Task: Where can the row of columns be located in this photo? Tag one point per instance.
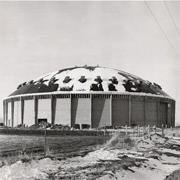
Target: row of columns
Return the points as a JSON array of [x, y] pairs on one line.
[[53, 110]]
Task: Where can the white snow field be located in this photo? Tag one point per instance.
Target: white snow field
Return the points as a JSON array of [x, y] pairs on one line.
[[151, 157]]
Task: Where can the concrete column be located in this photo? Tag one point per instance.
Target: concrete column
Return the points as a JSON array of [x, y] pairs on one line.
[[12, 112], [173, 109], [6, 116], [22, 110], [91, 109], [53, 109], [158, 123], [4, 112], [71, 110], [130, 103], [36, 109], [111, 110], [169, 114], [144, 111], [172, 114]]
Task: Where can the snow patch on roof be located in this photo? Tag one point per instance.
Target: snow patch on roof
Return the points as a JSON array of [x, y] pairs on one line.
[[90, 75]]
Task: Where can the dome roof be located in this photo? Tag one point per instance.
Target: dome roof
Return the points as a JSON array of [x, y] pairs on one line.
[[89, 78]]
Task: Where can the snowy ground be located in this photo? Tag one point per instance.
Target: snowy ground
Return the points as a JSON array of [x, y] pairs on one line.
[[147, 158]]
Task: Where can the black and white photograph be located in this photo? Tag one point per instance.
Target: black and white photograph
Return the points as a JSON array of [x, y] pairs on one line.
[[90, 90]]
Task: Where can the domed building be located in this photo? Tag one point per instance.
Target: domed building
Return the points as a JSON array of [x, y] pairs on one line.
[[89, 97]]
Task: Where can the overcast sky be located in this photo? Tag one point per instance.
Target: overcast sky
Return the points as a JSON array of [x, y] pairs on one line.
[[40, 37]]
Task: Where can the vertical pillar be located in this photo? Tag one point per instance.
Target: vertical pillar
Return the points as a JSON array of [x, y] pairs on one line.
[[36, 109], [168, 114], [53, 109], [6, 117], [130, 106], [144, 111], [4, 112], [111, 110], [173, 112], [71, 110], [22, 110], [12, 112], [158, 123], [91, 110]]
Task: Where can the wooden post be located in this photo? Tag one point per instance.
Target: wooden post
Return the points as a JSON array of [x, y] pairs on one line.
[[45, 142], [162, 130], [123, 142], [144, 130], [148, 130], [126, 129]]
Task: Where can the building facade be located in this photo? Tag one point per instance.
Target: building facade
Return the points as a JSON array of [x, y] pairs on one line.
[[110, 105]]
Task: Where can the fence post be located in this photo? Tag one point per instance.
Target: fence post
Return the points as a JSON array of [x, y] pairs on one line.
[[148, 130], [45, 142], [123, 142], [162, 130], [126, 129]]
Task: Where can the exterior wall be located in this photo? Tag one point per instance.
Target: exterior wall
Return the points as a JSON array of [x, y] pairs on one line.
[[98, 110], [4, 112], [29, 115], [166, 113], [120, 111], [151, 117], [173, 107], [63, 111], [81, 111], [101, 112], [171, 113], [44, 109], [17, 113], [137, 110], [9, 114], [162, 114]]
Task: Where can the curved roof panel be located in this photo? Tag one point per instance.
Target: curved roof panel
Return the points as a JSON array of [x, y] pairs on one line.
[[89, 78]]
